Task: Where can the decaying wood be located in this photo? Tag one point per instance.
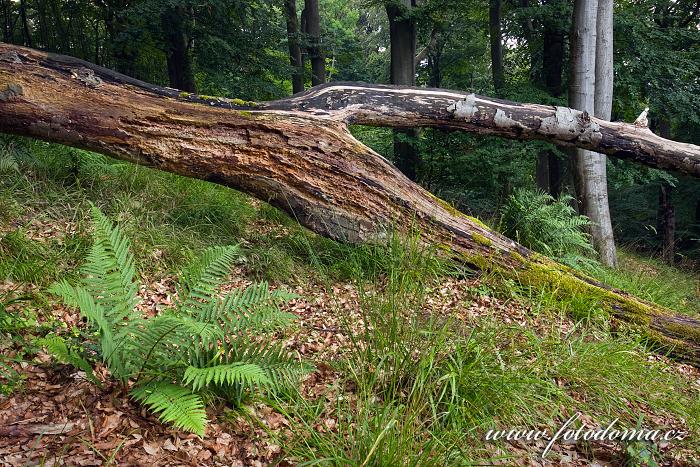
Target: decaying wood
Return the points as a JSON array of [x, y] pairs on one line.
[[298, 155]]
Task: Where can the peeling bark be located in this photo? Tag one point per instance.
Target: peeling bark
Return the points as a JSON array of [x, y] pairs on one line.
[[297, 154]]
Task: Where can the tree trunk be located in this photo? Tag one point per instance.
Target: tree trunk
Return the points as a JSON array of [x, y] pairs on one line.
[[297, 154], [548, 171], [290, 8], [496, 41], [402, 32], [25, 22], [313, 29], [177, 52], [590, 170], [602, 231]]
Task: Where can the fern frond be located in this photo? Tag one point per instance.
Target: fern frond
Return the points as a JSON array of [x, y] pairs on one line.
[[57, 347], [239, 373], [167, 340], [174, 404], [8, 164], [206, 277], [275, 361], [254, 308], [110, 269], [79, 297]]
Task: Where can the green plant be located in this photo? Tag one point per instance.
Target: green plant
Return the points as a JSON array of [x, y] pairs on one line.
[[202, 348], [548, 225], [57, 347]]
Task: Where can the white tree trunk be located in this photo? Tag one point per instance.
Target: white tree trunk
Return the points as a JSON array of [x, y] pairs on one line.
[[590, 174], [597, 204]]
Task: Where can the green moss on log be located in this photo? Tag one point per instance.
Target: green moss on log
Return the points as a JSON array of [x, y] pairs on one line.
[[480, 239]]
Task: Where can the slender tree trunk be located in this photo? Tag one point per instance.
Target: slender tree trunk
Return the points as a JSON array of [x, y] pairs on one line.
[[297, 153], [177, 52], [582, 79], [119, 52], [316, 55], [402, 32], [496, 40], [598, 207], [589, 169], [25, 23], [290, 8], [549, 171]]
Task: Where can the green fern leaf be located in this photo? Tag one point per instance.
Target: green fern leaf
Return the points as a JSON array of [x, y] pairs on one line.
[[109, 269], [57, 347], [239, 373], [205, 277], [174, 404]]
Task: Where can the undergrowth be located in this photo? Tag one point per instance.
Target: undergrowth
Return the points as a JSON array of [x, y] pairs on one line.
[[425, 389], [204, 347], [420, 388]]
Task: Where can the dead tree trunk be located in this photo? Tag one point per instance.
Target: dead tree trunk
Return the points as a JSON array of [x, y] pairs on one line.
[[297, 154]]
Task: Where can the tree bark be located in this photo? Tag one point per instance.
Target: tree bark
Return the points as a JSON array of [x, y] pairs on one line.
[[316, 55], [597, 202], [548, 170], [589, 168], [290, 8], [496, 41], [297, 154], [25, 22], [177, 52], [402, 34]]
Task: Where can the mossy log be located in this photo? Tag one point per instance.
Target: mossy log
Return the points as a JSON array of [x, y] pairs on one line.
[[298, 155]]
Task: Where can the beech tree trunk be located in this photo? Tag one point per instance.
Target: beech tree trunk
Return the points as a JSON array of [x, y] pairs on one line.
[[297, 154], [589, 168], [598, 203], [290, 9], [666, 215]]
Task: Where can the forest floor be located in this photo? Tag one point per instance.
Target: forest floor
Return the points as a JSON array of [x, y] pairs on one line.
[[386, 330]]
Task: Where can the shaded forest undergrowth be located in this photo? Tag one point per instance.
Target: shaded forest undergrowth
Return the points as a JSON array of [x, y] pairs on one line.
[[414, 359]]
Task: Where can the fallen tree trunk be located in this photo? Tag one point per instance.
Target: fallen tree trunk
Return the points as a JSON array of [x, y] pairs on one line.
[[297, 154]]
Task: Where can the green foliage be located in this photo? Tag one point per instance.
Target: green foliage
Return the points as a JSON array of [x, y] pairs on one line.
[[57, 347], [550, 226], [204, 341], [174, 404]]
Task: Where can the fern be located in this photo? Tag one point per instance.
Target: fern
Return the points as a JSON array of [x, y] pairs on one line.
[[243, 374], [547, 225], [109, 270], [174, 404], [202, 343], [8, 163], [57, 347]]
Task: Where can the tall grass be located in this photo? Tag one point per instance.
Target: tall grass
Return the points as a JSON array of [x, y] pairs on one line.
[[421, 389]]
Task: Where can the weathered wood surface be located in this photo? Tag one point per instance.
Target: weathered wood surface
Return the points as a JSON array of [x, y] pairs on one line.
[[297, 154]]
